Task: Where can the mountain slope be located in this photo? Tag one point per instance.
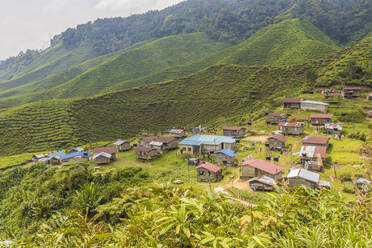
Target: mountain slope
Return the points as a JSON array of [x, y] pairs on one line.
[[286, 43]]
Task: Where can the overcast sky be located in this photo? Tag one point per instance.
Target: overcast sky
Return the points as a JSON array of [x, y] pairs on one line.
[[32, 23]]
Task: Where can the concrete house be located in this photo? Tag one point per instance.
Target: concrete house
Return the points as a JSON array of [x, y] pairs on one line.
[[76, 156], [226, 157], [102, 158], [333, 128], [303, 177], [292, 128], [275, 118], [314, 106], [122, 145], [177, 133], [168, 143], [292, 103], [312, 157], [277, 142], [259, 167], [200, 144], [147, 153], [315, 141], [109, 150], [236, 132], [208, 172], [262, 183], [320, 119], [351, 92]]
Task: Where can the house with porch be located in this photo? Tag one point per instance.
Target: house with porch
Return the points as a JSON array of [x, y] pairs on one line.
[[320, 119], [201, 144], [292, 103], [277, 142], [292, 128], [147, 153], [122, 145], [259, 167], [275, 118], [208, 172], [236, 132]]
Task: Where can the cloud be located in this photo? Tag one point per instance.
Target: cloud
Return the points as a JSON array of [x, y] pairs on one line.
[[134, 5]]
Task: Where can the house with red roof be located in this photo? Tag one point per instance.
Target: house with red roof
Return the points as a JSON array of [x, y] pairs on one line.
[[275, 118], [208, 172], [320, 119], [236, 132], [292, 103], [315, 141], [259, 167], [277, 142], [292, 128]]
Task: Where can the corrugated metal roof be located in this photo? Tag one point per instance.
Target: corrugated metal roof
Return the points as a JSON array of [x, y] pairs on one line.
[[279, 137], [321, 116], [58, 154], [232, 128], [305, 174], [363, 181], [315, 140], [156, 143], [315, 102], [227, 152], [102, 154], [109, 150], [76, 154], [263, 179], [263, 165], [332, 126], [198, 140], [209, 167], [176, 131], [120, 142], [292, 100]]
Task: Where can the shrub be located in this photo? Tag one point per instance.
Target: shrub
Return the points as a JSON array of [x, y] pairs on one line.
[[349, 187]]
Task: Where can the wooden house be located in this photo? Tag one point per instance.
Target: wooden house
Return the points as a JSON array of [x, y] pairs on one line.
[[292, 103], [55, 160], [292, 128], [177, 133], [314, 106], [312, 157], [147, 153], [351, 92], [109, 150], [122, 145], [202, 144], [102, 158], [236, 132], [320, 119], [208, 172], [168, 143], [333, 128], [259, 167], [226, 157], [275, 118], [262, 183], [315, 141], [277, 142], [303, 177]]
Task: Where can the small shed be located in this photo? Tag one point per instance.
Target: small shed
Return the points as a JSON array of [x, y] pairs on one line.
[[275, 118], [363, 184], [109, 150], [351, 92], [333, 128], [208, 172], [292, 128], [303, 177], [262, 183], [122, 145], [292, 103], [147, 153], [236, 132], [226, 157], [277, 142], [177, 133], [320, 119], [102, 158], [259, 167], [314, 105]]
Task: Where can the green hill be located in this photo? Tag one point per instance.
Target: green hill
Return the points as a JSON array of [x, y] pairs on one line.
[[289, 42]]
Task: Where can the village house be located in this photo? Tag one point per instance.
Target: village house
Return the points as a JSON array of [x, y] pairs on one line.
[[320, 119], [369, 97], [236, 132], [292, 103], [55, 160], [102, 158], [109, 150], [36, 158], [315, 141], [351, 92], [208, 172], [200, 144], [277, 142], [177, 133], [167, 143], [76, 156], [262, 183], [122, 145], [314, 106], [226, 157], [259, 167], [303, 177], [275, 118], [312, 157], [292, 128], [76, 149], [147, 153], [333, 128]]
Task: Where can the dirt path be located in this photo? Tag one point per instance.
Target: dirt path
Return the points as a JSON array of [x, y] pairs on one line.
[[261, 138]]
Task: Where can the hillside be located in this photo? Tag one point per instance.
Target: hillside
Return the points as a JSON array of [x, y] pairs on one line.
[[289, 42]]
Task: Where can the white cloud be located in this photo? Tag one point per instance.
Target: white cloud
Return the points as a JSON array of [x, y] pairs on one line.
[[134, 6]]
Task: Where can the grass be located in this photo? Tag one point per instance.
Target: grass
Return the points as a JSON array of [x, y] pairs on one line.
[[15, 160]]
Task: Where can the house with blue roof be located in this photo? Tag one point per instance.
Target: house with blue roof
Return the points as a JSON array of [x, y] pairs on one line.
[[59, 154], [226, 157], [76, 156], [201, 144]]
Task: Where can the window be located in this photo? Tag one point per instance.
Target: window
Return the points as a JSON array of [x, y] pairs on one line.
[[190, 149]]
